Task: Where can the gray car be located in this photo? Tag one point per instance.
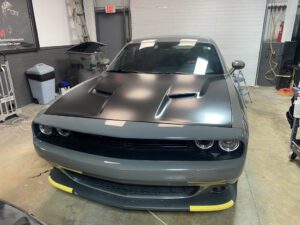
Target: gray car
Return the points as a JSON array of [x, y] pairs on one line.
[[163, 128]]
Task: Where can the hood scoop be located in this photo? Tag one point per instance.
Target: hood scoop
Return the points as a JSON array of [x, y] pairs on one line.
[[102, 93], [108, 85], [184, 95], [187, 92], [168, 98], [192, 89]]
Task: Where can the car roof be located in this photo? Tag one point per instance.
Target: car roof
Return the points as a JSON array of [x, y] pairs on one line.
[[174, 39]]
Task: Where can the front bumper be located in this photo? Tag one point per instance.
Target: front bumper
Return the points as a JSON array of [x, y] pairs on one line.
[[203, 200], [143, 172], [84, 174]]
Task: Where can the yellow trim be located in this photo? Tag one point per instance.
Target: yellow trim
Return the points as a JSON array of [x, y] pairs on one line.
[[60, 186], [210, 208], [66, 168]]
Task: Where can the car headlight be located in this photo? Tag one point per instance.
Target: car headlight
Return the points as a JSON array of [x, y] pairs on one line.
[[203, 144], [64, 133], [46, 130], [229, 145]]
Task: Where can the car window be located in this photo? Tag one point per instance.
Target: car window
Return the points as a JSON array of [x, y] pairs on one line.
[[169, 57]]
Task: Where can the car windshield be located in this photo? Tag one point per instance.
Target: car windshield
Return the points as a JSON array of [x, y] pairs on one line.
[[183, 57]]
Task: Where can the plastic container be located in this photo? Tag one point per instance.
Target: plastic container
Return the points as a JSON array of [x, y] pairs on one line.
[[87, 54], [41, 79], [89, 59]]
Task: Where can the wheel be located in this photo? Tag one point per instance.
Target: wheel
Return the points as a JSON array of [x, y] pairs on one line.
[[292, 156]]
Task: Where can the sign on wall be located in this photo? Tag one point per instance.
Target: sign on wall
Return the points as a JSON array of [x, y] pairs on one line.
[[110, 9], [17, 26]]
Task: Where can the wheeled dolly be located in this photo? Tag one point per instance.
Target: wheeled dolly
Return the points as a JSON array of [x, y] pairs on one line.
[[8, 103]]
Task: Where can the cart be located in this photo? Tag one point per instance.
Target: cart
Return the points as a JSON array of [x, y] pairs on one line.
[[295, 143], [8, 103]]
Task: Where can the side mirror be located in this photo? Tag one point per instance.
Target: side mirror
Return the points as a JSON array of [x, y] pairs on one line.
[[238, 64]]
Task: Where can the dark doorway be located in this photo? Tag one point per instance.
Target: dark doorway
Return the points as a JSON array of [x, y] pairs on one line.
[[113, 30]]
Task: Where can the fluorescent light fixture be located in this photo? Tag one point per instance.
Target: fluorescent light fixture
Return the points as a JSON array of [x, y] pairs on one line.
[[201, 66], [187, 42], [139, 93], [147, 77], [184, 79], [115, 123], [213, 118], [169, 125], [110, 162], [120, 112], [147, 43]]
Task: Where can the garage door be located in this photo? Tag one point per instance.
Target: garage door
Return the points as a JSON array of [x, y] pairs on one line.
[[236, 25]]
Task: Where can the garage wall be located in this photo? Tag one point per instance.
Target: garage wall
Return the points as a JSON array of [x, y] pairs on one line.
[[54, 36], [236, 25], [55, 57]]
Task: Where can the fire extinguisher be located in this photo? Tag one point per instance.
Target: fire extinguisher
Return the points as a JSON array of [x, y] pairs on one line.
[[2, 33], [279, 37]]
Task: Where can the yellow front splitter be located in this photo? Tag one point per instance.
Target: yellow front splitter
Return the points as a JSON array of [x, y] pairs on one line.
[[211, 208], [119, 202], [60, 186]]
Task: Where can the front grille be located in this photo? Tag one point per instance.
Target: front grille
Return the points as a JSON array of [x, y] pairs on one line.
[[134, 144], [141, 149], [133, 190]]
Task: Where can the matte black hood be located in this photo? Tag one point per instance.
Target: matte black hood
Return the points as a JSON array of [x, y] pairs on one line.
[[161, 98]]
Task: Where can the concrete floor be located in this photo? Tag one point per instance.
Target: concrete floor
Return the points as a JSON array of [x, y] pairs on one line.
[[267, 190]]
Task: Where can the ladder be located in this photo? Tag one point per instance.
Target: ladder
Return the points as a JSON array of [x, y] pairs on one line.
[[241, 85], [77, 22], [8, 103]]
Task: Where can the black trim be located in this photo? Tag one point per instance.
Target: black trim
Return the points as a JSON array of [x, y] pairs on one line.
[[41, 78]]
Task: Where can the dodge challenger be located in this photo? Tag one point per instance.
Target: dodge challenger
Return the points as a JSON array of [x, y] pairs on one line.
[[163, 128]]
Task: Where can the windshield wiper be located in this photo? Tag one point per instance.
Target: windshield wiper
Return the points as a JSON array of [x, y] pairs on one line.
[[123, 71]]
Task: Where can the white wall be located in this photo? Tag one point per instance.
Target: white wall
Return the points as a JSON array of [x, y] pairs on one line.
[[52, 22], [289, 21], [236, 25]]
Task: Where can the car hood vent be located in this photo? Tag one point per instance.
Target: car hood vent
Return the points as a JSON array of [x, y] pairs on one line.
[[102, 93], [183, 95]]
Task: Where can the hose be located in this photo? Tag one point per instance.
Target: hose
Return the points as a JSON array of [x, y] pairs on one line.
[[273, 64], [4, 56]]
